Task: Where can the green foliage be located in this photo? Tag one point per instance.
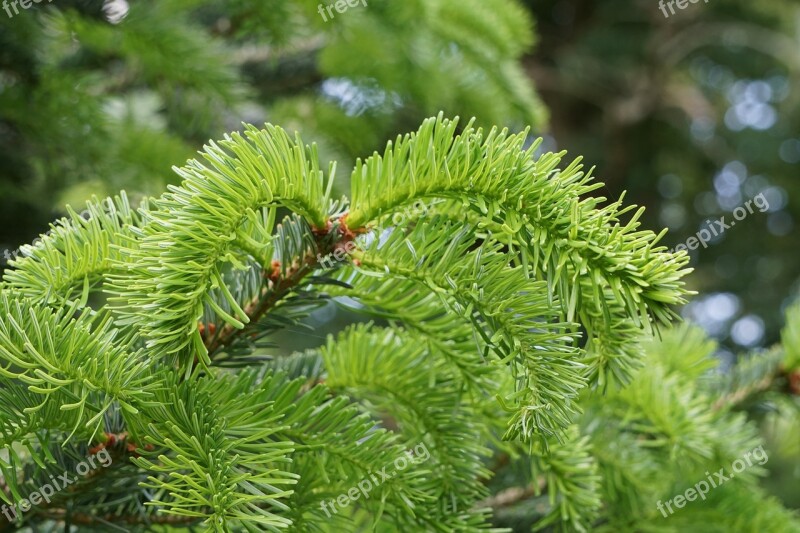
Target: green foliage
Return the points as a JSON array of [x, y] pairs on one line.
[[605, 274], [205, 218], [64, 372], [653, 440], [391, 372], [217, 450], [149, 333], [77, 253]]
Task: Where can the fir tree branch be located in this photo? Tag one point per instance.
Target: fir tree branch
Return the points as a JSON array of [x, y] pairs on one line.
[[76, 253], [286, 274], [513, 315], [484, 291], [405, 303], [604, 272], [201, 221]]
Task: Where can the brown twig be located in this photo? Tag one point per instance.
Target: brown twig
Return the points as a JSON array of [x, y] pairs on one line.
[[792, 387], [278, 284], [512, 495]]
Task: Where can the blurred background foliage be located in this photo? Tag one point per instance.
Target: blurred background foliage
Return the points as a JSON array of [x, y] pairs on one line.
[[692, 114], [97, 96]]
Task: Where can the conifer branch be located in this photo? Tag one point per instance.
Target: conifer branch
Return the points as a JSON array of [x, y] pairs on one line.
[[483, 292], [589, 258]]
